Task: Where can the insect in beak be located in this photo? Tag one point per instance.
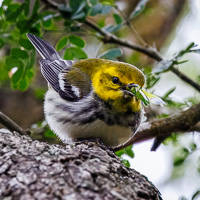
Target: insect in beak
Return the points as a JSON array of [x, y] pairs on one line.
[[127, 90], [134, 90]]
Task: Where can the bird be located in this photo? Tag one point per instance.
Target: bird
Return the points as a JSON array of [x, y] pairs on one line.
[[90, 98]]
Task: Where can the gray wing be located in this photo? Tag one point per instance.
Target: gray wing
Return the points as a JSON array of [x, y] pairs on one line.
[[44, 48], [52, 65], [50, 71]]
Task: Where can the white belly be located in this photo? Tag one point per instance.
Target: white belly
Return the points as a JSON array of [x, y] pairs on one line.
[[110, 135]]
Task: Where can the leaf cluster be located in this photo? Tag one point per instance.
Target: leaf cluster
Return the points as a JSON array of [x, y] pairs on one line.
[[16, 19], [128, 151]]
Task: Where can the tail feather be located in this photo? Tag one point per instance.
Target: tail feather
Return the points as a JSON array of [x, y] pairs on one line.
[[43, 48]]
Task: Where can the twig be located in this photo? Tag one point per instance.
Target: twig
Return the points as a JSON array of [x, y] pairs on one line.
[[186, 78], [10, 124], [131, 27], [182, 122], [196, 127], [110, 38]]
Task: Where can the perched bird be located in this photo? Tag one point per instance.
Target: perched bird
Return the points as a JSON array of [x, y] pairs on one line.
[[90, 98]]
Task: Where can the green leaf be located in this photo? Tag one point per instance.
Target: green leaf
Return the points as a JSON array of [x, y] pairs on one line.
[[1, 11], [75, 28], [138, 9], [111, 54], [6, 2], [99, 9], [151, 80], [193, 146], [126, 151], [117, 18], [78, 41], [12, 62], [35, 7], [69, 54], [26, 7], [75, 5], [23, 84], [181, 156], [168, 93], [18, 53], [1, 43], [61, 43], [120, 152], [26, 44], [93, 2], [79, 12], [23, 26], [140, 95], [49, 134], [126, 162], [188, 49], [129, 151], [47, 23], [17, 75], [74, 52], [106, 9], [31, 60], [29, 74], [39, 93], [173, 138], [112, 28], [77, 16], [12, 12], [108, 2]]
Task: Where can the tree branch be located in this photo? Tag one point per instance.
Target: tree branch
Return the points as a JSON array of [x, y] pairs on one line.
[[182, 122], [110, 38], [10, 124], [196, 127]]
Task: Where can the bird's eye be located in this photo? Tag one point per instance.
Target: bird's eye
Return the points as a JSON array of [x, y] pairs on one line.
[[115, 80]]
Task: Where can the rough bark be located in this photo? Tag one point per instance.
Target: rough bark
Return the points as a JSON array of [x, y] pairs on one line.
[[83, 170]]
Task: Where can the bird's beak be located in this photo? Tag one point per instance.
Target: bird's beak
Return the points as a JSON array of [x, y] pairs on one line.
[[128, 88]]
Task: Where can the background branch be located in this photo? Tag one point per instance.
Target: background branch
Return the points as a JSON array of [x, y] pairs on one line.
[[10, 124], [186, 78]]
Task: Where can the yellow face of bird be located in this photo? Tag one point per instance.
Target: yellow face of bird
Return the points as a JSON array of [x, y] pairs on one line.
[[110, 80]]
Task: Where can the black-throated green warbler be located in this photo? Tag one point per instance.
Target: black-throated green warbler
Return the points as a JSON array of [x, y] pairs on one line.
[[91, 98]]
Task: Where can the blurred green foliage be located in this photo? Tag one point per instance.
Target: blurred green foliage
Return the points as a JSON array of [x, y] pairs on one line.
[[128, 151]]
